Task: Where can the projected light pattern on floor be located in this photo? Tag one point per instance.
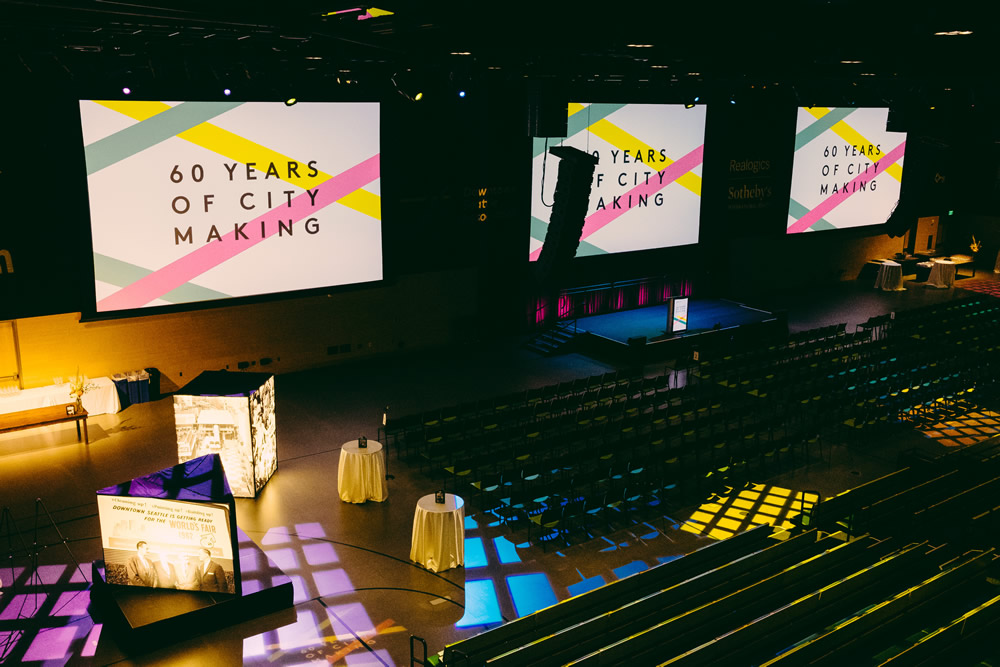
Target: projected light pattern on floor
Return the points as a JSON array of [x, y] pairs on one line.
[[332, 636], [43, 615], [737, 510], [955, 423]]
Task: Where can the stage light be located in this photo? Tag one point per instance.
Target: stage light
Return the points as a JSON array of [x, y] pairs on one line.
[[227, 92], [290, 101], [126, 91], [418, 97], [461, 93]]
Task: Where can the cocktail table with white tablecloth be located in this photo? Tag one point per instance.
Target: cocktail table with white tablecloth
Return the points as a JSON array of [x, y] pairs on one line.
[[101, 399], [439, 533], [361, 473], [942, 274], [890, 277]]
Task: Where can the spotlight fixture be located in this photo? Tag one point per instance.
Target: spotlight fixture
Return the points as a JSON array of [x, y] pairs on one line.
[[418, 97], [690, 104], [126, 91], [290, 101], [227, 92], [461, 93]]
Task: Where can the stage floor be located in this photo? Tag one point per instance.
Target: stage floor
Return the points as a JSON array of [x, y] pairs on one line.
[[651, 322]]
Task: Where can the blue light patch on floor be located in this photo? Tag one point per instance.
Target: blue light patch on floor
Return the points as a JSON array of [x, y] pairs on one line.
[[667, 559], [475, 554], [586, 585], [506, 551], [530, 592], [470, 523], [481, 606], [631, 568]]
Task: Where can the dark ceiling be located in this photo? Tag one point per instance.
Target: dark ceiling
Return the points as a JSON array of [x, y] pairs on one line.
[[812, 51]]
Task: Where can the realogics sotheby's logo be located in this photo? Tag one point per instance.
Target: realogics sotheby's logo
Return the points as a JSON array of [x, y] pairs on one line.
[[272, 201]]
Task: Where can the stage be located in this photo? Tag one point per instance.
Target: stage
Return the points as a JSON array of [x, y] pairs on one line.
[[641, 334]]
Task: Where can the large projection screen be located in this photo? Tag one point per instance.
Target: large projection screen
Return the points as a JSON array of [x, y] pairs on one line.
[[201, 201], [646, 191], [847, 169]]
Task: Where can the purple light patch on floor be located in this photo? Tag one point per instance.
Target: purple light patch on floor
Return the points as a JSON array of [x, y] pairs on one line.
[[332, 582], [249, 561], [5, 577], [378, 658], [347, 617], [254, 646], [309, 530], [49, 574], [284, 559], [23, 606], [277, 535], [586, 585], [50, 644], [631, 568], [71, 603], [303, 632], [81, 574], [320, 553], [90, 646]]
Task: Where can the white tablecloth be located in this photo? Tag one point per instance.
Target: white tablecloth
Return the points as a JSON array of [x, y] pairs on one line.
[[942, 274], [361, 473], [102, 399], [890, 277], [439, 533]]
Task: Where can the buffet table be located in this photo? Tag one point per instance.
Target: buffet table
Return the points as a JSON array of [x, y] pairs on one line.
[[361, 473], [102, 399], [439, 533]]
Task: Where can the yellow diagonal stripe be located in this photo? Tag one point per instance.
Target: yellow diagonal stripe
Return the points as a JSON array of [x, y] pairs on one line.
[[243, 150], [621, 139], [852, 136]]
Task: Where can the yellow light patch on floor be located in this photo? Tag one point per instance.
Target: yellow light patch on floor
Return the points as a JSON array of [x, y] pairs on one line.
[[955, 424], [755, 505]]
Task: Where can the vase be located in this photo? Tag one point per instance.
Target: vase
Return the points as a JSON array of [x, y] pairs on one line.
[[78, 404]]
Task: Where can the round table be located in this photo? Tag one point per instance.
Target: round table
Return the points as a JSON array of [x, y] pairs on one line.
[[890, 277], [942, 274], [361, 473], [439, 533]]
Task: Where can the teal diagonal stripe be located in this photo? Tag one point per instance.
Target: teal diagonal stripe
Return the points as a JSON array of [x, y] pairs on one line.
[[821, 125], [116, 272], [538, 229], [579, 122], [797, 210], [136, 138]]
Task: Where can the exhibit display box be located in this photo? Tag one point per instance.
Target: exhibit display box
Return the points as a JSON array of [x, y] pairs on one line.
[[232, 415]]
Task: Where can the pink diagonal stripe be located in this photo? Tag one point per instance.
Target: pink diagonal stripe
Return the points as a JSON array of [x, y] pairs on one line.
[[831, 202], [213, 254], [670, 174]]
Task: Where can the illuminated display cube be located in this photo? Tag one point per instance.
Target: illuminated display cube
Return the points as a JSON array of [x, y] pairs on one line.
[[232, 415]]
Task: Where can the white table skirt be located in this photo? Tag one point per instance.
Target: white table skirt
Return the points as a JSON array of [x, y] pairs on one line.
[[890, 277], [102, 399], [439, 533], [361, 473], [942, 274]]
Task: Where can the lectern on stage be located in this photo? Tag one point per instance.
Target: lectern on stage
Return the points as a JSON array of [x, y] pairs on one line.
[[232, 415], [172, 555]]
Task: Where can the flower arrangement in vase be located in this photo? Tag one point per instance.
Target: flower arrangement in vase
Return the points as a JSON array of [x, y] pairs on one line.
[[78, 386]]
